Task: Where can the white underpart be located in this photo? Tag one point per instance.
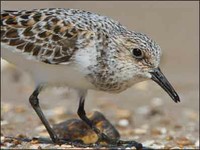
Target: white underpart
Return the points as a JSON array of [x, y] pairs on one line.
[[86, 57], [42, 73]]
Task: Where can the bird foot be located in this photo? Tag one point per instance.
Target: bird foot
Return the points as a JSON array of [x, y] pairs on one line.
[[116, 142]]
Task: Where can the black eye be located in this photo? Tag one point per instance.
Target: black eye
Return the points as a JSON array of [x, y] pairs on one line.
[[137, 53]]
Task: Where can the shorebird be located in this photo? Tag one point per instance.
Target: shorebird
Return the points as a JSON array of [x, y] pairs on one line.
[[81, 50]]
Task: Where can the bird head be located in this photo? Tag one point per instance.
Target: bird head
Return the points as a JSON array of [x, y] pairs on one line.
[[142, 57]]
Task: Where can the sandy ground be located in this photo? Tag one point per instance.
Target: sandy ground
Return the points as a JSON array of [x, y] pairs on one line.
[[144, 113]]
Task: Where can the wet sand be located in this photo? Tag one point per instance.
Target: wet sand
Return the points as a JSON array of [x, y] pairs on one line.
[[144, 113]]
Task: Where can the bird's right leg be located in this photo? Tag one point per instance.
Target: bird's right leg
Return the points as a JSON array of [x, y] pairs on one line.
[[82, 115], [35, 104], [102, 136]]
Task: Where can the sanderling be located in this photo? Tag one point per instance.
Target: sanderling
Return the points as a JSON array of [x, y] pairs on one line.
[[79, 49]]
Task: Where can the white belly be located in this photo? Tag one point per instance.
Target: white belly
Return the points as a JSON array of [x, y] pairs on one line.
[[69, 74]]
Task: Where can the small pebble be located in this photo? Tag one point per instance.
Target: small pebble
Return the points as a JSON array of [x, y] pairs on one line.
[[183, 141], [163, 130], [148, 143], [123, 123], [140, 131]]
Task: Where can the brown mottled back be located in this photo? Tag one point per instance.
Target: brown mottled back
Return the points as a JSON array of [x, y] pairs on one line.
[[43, 34]]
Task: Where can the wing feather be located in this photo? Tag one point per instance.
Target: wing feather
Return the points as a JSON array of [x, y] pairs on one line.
[[44, 34]]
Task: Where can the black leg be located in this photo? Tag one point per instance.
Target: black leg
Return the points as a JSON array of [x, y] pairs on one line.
[[82, 115], [35, 104], [102, 136]]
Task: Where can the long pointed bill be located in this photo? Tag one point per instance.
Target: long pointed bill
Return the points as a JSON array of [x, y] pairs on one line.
[[160, 79]]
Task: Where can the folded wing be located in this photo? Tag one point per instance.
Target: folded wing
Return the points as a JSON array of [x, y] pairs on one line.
[[41, 35]]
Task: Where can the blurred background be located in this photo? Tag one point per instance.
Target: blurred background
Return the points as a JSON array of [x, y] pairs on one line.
[[173, 25]]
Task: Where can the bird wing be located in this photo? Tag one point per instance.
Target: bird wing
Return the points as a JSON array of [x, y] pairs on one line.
[[43, 35]]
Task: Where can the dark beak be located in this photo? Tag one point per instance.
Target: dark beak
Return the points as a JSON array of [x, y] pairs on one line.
[[159, 78]]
